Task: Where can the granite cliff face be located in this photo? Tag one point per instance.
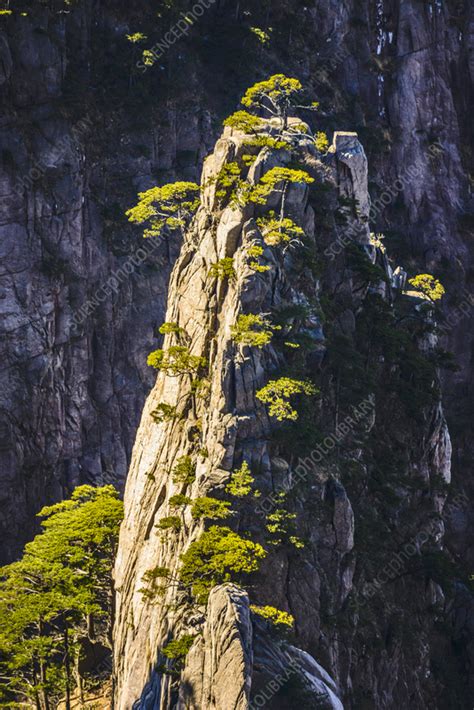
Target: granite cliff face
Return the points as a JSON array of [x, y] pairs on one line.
[[332, 483], [399, 73], [79, 301]]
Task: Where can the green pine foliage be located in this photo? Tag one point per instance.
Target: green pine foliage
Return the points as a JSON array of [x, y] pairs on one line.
[[156, 581], [278, 393], [253, 329], [223, 269], [321, 142], [178, 649], [165, 209], [278, 180], [361, 264], [171, 328], [179, 501], [280, 525], [276, 229], [233, 188], [58, 595], [254, 252], [275, 616], [170, 522], [209, 508], [241, 483], [164, 412], [245, 122], [276, 97], [219, 555], [428, 286], [176, 361], [184, 471]]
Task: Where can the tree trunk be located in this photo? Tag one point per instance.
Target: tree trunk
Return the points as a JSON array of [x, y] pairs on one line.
[[111, 635], [44, 700], [283, 201], [67, 663], [77, 673], [90, 627], [35, 683]]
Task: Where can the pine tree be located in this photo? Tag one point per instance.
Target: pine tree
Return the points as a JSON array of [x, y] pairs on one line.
[[57, 596]]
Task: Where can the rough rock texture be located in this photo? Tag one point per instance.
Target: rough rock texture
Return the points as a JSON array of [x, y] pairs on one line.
[[399, 72], [218, 669], [329, 584], [71, 398]]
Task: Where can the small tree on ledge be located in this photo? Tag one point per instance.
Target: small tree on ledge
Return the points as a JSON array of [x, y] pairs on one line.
[[175, 361], [277, 394], [427, 285], [165, 209], [276, 96], [278, 180], [219, 555], [253, 330], [277, 229]]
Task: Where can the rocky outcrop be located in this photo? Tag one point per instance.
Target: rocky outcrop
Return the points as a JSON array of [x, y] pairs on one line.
[[231, 423], [330, 577], [71, 401], [219, 666], [400, 73]]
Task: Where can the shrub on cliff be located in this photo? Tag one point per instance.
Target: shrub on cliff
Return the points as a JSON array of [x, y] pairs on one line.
[[170, 522], [241, 483], [184, 471], [275, 616], [175, 361], [428, 286], [165, 209], [253, 330], [209, 508], [278, 180], [278, 393], [280, 525], [219, 555], [178, 649], [223, 269], [277, 229]]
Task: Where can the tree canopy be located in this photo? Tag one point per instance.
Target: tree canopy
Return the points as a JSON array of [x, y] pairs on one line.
[[57, 595], [219, 555], [277, 394], [165, 209], [427, 285], [276, 96]]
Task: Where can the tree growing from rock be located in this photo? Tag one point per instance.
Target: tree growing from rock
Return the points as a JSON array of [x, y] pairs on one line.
[[278, 393], [176, 361], [219, 555], [427, 285], [276, 97], [58, 596], [166, 209], [253, 329]]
